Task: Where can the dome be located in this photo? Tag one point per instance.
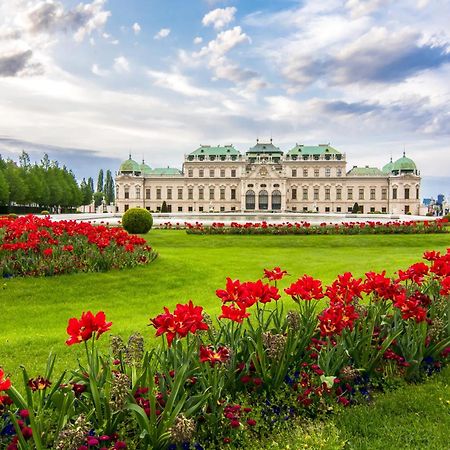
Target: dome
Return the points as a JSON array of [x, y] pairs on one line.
[[387, 169], [130, 166], [144, 168], [404, 164]]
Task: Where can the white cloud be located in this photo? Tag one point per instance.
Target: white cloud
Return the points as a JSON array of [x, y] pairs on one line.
[[198, 40], [136, 28], [121, 64], [162, 33], [364, 7], [176, 82], [219, 17], [96, 70], [224, 42]]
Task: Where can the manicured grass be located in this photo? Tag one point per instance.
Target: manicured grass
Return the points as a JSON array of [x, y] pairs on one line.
[[35, 310]]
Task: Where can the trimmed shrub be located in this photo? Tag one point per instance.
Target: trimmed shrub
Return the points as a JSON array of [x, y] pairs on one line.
[[44, 213], [137, 221], [12, 216]]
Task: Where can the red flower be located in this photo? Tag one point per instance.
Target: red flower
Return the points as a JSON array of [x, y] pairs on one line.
[[345, 289], [445, 286], [208, 354], [39, 383], [235, 291], [251, 422], [305, 288], [415, 273], [5, 383], [68, 248], [275, 274], [233, 313], [83, 329], [185, 319], [410, 307], [47, 252], [258, 292], [380, 285], [337, 317], [431, 255]]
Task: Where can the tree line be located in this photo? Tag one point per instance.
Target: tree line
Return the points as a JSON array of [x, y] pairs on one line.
[[48, 186]]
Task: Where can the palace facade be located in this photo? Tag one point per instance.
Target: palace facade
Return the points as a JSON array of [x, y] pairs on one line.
[[265, 178]]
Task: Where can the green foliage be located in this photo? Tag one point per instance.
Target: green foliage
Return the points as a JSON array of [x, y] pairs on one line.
[[100, 181], [109, 188], [44, 212], [98, 199], [355, 208], [137, 221], [164, 208]]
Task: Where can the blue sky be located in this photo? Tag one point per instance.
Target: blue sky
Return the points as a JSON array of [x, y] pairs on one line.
[[92, 81]]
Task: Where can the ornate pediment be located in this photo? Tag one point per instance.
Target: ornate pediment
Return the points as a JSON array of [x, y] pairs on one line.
[[264, 171]]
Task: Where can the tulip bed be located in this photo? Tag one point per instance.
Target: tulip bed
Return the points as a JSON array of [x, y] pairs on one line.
[[254, 369], [305, 228], [36, 246]]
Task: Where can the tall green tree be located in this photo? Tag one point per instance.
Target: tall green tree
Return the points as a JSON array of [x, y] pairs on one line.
[[109, 188], [18, 190], [100, 184], [4, 189], [91, 184]]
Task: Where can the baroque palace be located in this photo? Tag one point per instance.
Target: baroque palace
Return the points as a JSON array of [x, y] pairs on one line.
[[303, 179]]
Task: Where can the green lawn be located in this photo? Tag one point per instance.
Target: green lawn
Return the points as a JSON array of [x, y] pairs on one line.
[[35, 313], [35, 310]]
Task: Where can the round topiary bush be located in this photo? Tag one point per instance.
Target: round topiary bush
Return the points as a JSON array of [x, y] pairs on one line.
[[137, 221], [45, 213]]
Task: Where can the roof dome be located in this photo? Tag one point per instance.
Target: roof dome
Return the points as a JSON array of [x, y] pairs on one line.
[[130, 166], [404, 164], [388, 167], [145, 168]]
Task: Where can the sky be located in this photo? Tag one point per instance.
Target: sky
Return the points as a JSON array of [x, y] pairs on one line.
[[90, 82]]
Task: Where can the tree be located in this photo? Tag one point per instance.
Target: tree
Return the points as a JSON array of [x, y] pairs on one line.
[[109, 188], [86, 193], [100, 185], [4, 189], [24, 160], [355, 209], [18, 190], [98, 199], [91, 184], [164, 208]]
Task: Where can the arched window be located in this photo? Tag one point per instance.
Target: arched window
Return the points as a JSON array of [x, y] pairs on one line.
[[263, 200], [276, 200], [250, 200]]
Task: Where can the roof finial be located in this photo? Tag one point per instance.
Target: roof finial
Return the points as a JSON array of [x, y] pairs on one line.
[[404, 153], [257, 140], [129, 154]]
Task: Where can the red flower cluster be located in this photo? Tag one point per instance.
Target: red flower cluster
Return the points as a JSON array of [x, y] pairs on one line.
[[209, 354], [337, 317], [39, 246], [345, 289], [380, 285], [39, 383], [235, 413], [275, 274], [244, 295], [305, 288], [415, 273], [5, 383], [410, 307], [184, 320], [83, 329]]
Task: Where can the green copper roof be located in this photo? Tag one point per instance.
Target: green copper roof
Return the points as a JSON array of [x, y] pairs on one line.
[[164, 171], [218, 150], [365, 172], [404, 164], [313, 150], [262, 147], [388, 167], [130, 166], [145, 169]]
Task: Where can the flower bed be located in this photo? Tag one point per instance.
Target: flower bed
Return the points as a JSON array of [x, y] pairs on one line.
[[228, 381], [34, 246], [305, 228]]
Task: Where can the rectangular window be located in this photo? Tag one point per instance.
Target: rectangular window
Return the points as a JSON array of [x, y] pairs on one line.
[[372, 209], [233, 208], [211, 193], [222, 193], [125, 208], [200, 208], [294, 172], [327, 172], [361, 194], [190, 173], [394, 193], [222, 208], [190, 193], [305, 172], [180, 209], [126, 193], [338, 194], [338, 209], [327, 194], [233, 194], [384, 194], [383, 209], [372, 194], [316, 172], [211, 173], [305, 193], [339, 172], [201, 173], [169, 193], [316, 193], [222, 173], [305, 209], [327, 209], [180, 193], [147, 194], [417, 193], [406, 193], [350, 194], [158, 194], [349, 209], [190, 208], [200, 194], [294, 193], [233, 173], [138, 192]]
